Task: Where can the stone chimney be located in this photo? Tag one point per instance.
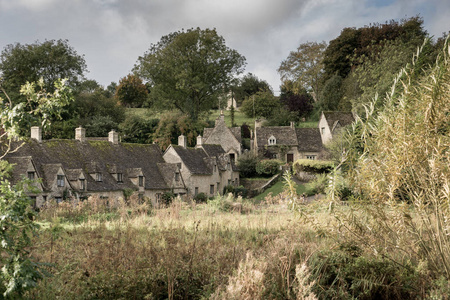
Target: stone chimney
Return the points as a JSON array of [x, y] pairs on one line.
[[80, 134], [36, 133], [199, 141], [182, 141], [113, 137], [292, 124], [220, 118]]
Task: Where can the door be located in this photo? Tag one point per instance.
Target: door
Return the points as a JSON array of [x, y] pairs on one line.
[[289, 157]]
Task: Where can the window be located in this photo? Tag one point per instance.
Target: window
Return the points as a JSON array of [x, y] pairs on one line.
[[196, 191], [177, 176], [211, 189], [229, 181], [322, 130], [82, 184], [272, 140], [60, 180], [215, 168], [232, 158], [31, 175], [158, 196], [119, 177], [58, 199], [99, 177], [312, 157], [141, 180]]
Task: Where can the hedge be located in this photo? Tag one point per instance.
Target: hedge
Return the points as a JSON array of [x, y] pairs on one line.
[[313, 166]]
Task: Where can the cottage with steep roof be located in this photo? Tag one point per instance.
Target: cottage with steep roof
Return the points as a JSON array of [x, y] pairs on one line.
[[205, 169], [331, 123], [84, 167], [228, 137], [287, 143]]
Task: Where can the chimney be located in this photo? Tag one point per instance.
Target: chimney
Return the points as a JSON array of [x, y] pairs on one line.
[[182, 141], [259, 122], [113, 137], [199, 141], [36, 133], [220, 118], [80, 134], [292, 124]]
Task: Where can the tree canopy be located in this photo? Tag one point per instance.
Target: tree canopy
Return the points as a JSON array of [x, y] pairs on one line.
[[189, 69], [50, 60], [131, 92], [249, 85]]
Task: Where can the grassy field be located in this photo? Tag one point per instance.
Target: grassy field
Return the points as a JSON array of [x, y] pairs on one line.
[[276, 189]]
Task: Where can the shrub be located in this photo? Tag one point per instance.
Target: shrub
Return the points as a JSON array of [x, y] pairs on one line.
[[167, 198], [268, 167], [313, 166], [200, 198], [236, 191], [247, 164]]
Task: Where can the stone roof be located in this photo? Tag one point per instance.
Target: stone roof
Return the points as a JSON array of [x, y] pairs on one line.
[[97, 157], [284, 135], [21, 164], [194, 159], [213, 150], [334, 118], [309, 139], [168, 172], [49, 172]]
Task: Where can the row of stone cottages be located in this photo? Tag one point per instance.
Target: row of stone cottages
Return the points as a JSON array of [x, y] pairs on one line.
[[106, 167]]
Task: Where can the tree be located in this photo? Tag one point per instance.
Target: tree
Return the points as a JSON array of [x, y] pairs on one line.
[[331, 94], [131, 92], [304, 67], [301, 103], [50, 60], [189, 69], [261, 104], [248, 86], [19, 271]]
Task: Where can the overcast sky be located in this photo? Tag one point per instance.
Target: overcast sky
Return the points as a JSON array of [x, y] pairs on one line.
[[112, 34]]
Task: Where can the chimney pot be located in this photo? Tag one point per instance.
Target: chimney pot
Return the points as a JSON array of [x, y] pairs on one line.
[[36, 133]]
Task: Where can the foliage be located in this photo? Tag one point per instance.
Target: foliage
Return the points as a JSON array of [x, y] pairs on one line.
[[268, 167], [304, 67], [189, 69], [236, 191], [318, 185], [51, 60], [137, 129], [167, 198], [314, 166], [261, 104], [332, 93], [247, 164], [247, 86], [301, 103], [201, 198], [172, 124], [19, 271], [131, 92]]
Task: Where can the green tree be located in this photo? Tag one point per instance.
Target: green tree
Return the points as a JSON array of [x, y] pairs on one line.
[[262, 104], [189, 69], [304, 68], [247, 86], [19, 272], [50, 60], [131, 92]]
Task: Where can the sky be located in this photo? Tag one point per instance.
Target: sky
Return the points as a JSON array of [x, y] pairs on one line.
[[112, 34]]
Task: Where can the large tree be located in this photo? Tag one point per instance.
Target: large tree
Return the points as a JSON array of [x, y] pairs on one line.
[[304, 67], [50, 60], [247, 86], [189, 69], [131, 92]]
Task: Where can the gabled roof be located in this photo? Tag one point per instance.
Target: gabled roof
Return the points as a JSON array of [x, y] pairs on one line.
[[335, 117], [213, 150], [20, 167], [168, 172], [309, 139], [284, 135], [98, 157], [194, 160], [74, 174]]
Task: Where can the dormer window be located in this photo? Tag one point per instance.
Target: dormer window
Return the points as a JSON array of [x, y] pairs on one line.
[[31, 175], [119, 177], [82, 184], [98, 177], [60, 180], [272, 141], [141, 180], [177, 176]]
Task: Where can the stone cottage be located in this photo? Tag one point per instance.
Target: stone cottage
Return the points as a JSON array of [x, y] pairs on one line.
[[205, 169], [83, 167], [228, 137], [287, 143], [331, 123]]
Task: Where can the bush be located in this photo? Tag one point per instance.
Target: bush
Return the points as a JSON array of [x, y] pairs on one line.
[[268, 167], [317, 186], [313, 166], [247, 164], [167, 198], [201, 198], [236, 191]]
